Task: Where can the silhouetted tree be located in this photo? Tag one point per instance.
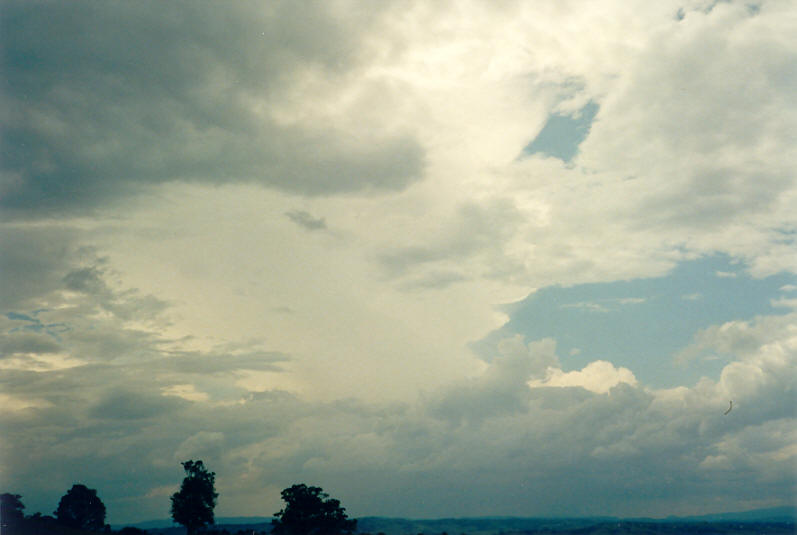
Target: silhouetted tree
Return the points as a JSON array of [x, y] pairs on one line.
[[81, 508], [10, 511], [310, 511], [193, 505]]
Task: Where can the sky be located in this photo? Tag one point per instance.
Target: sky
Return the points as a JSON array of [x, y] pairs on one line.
[[439, 258]]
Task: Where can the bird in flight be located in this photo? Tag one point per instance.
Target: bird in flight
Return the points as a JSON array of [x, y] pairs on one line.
[[729, 408]]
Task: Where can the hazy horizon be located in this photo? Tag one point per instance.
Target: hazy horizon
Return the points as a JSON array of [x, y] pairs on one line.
[[438, 258]]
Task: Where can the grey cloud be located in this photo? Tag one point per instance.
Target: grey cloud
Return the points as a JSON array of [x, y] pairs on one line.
[[27, 342], [87, 280], [557, 398], [104, 100], [476, 231], [133, 405], [110, 341], [39, 262], [713, 197], [206, 445], [502, 389], [306, 220], [32, 264], [629, 447]]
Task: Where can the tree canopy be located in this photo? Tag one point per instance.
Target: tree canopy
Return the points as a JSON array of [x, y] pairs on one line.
[[81, 508], [10, 510], [193, 505], [310, 511]]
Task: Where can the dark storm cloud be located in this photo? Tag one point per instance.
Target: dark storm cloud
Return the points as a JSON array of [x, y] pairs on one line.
[[102, 100]]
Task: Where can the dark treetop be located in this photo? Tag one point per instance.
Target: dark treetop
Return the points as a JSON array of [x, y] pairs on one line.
[[193, 505], [310, 511]]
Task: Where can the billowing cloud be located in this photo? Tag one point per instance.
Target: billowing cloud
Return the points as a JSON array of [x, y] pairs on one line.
[[119, 97]]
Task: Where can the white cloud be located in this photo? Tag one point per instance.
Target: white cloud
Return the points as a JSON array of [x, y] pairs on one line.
[[598, 376], [740, 338]]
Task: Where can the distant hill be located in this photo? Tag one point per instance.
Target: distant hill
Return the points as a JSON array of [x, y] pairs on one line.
[[772, 514], [226, 520], [777, 519], [471, 526]]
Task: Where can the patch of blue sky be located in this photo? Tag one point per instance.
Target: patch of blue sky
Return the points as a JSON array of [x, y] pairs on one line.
[[33, 323], [562, 134], [643, 323]]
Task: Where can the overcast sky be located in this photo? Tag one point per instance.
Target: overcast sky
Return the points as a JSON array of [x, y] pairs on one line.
[[438, 258]]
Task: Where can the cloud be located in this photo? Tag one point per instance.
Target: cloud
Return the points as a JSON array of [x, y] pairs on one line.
[[122, 405], [501, 388], [29, 261], [599, 376], [740, 338], [27, 342], [202, 445], [185, 391], [120, 97], [209, 362], [475, 236], [432, 279], [703, 119], [521, 441], [306, 220], [402, 125]]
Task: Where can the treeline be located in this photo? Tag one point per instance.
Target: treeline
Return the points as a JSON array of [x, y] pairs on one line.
[[307, 511]]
